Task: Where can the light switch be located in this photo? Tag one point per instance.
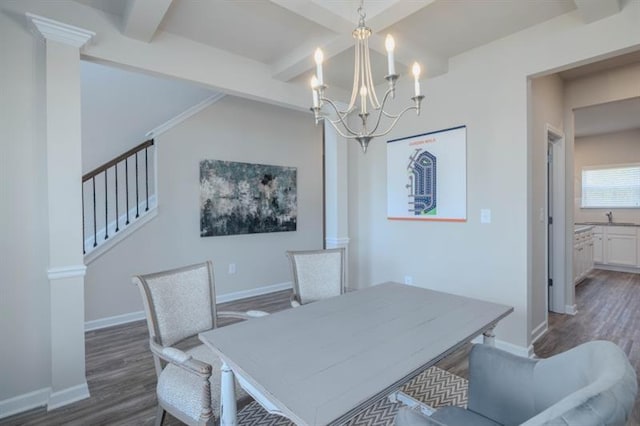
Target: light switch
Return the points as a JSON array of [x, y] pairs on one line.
[[485, 216]]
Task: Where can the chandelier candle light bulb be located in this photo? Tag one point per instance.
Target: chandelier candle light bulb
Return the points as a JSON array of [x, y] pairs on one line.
[[362, 85], [390, 44], [416, 76]]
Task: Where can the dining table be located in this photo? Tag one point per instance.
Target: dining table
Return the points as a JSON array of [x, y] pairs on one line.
[[324, 362]]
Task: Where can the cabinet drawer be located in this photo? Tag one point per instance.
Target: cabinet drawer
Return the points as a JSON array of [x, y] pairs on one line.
[[621, 230]]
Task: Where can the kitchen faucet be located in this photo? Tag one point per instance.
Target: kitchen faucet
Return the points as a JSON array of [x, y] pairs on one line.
[[610, 217]]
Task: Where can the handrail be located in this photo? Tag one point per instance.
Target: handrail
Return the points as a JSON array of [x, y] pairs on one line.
[[116, 160], [109, 171]]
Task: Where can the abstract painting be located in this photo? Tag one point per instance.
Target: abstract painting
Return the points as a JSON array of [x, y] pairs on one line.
[[244, 198]]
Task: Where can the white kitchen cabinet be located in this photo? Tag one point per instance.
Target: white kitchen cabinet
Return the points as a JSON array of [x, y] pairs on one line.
[[617, 246], [582, 254], [621, 246], [598, 245]]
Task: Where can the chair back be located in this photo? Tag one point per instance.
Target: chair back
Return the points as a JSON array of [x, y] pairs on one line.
[[591, 384], [317, 274], [179, 303]]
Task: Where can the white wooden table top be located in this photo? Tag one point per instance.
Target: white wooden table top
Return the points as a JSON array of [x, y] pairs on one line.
[[323, 362]]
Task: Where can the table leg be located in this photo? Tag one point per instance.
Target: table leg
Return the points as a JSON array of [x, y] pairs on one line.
[[228, 410], [489, 338]]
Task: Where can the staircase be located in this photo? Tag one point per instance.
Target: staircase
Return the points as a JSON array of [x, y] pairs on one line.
[[117, 198]]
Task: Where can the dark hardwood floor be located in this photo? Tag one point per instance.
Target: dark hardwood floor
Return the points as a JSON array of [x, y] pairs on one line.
[[122, 380]]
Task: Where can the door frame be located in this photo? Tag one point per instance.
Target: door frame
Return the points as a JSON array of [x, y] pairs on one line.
[[556, 294]]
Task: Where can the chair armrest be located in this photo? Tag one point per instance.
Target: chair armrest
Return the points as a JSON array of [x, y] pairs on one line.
[[242, 315], [181, 359], [500, 385]]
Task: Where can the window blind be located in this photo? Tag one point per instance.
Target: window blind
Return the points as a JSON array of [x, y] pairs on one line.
[[611, 187]]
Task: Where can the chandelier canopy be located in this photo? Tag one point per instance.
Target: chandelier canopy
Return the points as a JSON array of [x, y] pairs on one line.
[[362, 86]]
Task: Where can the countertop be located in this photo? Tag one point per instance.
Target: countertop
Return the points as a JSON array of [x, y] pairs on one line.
[[581, 224]]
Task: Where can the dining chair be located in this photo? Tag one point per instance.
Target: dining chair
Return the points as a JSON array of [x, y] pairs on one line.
[[589, 385], [317, 274], [180, 303]]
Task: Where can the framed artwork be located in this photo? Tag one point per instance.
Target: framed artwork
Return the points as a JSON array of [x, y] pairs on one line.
[[427, 176], [244, 198]]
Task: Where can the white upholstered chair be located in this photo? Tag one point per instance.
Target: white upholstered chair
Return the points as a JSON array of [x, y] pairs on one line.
[[180, 303], [317, 274], [590, 385]]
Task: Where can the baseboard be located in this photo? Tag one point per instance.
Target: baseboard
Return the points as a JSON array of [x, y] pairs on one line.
[[114, 320], [630, 269], [237, 295], [223, 298], [68, 396], [24, 402], [539, 331], [571, 309]]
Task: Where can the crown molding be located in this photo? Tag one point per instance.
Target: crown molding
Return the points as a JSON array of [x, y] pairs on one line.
[[57, 31], [156, 131]]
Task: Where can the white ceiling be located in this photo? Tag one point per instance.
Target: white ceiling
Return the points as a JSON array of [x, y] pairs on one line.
[[279, 36], [282, 34]]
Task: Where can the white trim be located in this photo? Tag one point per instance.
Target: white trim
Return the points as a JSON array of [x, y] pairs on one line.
[[24, 402], [140, 315], [63, 33], [155, 132], [118, 237], [70, 271], [68, 396], [243, 294], [539, 331], [571, 309], [337, 242], [630, 269], [114, 320]]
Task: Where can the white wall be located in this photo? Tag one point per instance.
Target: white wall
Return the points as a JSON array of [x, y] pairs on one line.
[[25, 350], [234, 130], [120, 106], [603, 150], [547, 109], [485, 89]]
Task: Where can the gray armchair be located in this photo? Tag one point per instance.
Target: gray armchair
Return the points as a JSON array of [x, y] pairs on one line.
[[317, 274], [180, 303], [591, 384]]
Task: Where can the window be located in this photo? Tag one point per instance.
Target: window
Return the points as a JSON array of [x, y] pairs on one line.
[[611, 186]]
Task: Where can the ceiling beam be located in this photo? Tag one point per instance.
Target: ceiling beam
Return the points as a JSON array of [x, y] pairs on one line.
[[300, 60], [143, 17], [593, 10], [396, 12]]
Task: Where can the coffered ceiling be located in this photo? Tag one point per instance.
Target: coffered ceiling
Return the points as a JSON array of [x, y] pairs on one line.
[[282, 34]]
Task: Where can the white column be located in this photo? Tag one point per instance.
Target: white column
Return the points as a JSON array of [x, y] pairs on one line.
[[336, 193], [64, 206]]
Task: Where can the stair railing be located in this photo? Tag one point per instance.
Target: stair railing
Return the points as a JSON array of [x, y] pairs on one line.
[[109, 172]]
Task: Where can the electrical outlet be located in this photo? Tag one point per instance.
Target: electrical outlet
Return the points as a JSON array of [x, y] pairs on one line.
[[485, 215], [408, 279], [232, 268]]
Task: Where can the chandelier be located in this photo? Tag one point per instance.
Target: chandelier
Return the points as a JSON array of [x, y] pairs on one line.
[[362, 86]]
